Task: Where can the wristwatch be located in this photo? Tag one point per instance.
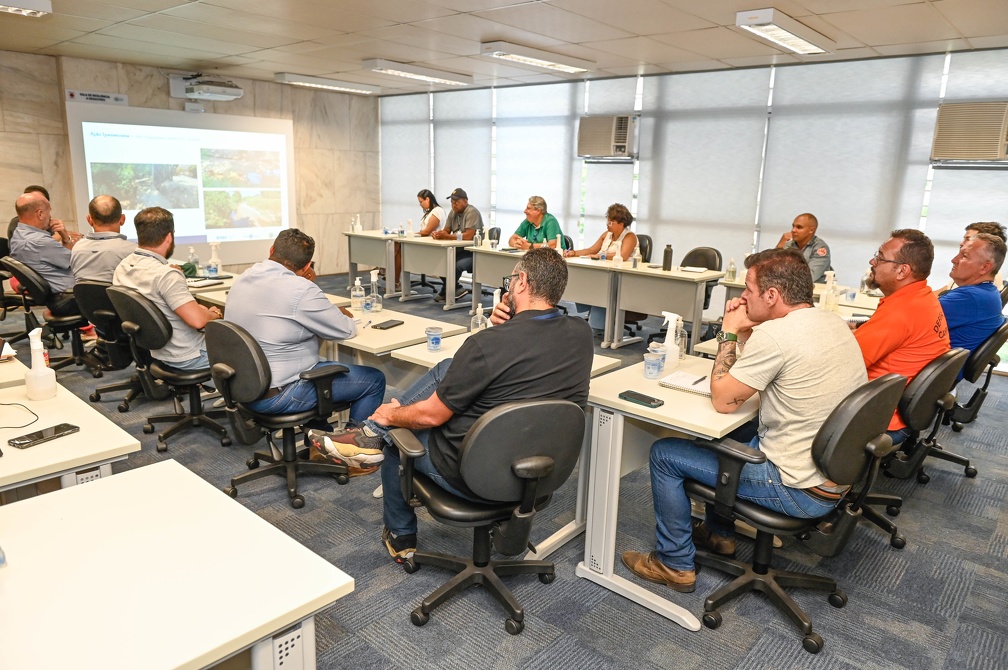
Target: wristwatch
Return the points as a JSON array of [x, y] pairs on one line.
[[726, 337]]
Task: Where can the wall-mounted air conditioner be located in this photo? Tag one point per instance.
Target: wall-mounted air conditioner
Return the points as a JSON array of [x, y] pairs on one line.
[[971, 132], [607, 137]]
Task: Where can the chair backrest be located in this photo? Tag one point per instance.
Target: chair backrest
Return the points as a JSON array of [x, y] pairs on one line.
[[919, 404], [838, 449], [704, 257], [96, 306], [986, 352], [229, 346], [568, 241], [37, 287], [4, 247], [147, 327], [646, 245], [494, 234], [505, 434], [1004, 296]]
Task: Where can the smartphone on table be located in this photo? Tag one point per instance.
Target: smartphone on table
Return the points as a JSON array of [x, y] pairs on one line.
[[44, 435]]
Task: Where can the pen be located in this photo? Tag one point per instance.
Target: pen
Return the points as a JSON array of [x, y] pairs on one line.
[[366, 324], [699, 380]]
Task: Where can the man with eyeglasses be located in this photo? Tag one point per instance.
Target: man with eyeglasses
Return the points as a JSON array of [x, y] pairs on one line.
[[533, 352], [908, 329]]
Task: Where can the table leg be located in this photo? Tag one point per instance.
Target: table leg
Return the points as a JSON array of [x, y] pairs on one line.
[[390, 291]]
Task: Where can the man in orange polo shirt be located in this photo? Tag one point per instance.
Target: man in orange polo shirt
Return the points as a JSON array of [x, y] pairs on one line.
[[908, 329]]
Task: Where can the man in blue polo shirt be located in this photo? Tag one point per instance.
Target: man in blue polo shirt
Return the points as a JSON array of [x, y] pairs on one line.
[[34, 242]]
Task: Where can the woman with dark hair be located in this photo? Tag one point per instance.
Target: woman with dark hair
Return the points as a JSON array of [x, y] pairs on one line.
[[617, 240], [433, 216]]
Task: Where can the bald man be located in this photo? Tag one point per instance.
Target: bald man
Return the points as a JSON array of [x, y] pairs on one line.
[[34, 244], [802, 236], [98, 254]]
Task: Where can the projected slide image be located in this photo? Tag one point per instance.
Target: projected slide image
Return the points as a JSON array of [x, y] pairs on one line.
[[232, 168], [242, 209], [140, 185]]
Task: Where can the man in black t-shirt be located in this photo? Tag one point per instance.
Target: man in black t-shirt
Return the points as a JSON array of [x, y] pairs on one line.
[[535, 352]]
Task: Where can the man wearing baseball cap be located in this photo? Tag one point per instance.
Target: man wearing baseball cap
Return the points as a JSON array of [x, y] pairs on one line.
[[466, 219]]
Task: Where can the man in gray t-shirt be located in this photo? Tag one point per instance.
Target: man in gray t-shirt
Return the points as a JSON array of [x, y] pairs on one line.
[[96, 256], [147, 271], [803, 362], [465, 219]]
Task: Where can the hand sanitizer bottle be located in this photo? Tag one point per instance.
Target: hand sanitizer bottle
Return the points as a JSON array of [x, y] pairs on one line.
[[40, 380], [731, 272], [194, 260], [478, 322], [559, 246], [357, 295], [635, 258]]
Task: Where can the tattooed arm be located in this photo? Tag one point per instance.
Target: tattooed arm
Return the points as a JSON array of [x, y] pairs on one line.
[[728, 393]]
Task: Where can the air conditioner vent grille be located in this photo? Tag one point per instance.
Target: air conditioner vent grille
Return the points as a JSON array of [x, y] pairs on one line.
[[971, 131]]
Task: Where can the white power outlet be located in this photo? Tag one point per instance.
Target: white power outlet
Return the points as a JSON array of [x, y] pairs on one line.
[[292, 649], [88, 476], [85, 476]]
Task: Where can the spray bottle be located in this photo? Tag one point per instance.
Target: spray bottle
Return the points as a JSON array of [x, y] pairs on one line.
[[375, 297], [830, 300], [676, 333], [213, 265], [40, 380]]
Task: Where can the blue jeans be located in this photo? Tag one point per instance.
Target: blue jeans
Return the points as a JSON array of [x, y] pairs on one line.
[[463, 263], [676, 459], [201, 361], [361, 386], [398, 516], [899, 435]]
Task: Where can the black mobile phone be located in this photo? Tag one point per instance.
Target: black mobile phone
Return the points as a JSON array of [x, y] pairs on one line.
[[385, 325], [641, 399], [44, 435]]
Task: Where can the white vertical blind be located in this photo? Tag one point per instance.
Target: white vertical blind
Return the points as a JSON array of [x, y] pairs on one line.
[[850, 143], [462, 133], [536, 152], [405, 155], [701, 148]]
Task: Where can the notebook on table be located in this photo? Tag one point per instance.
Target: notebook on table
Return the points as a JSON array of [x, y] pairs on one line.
[[688, 382]]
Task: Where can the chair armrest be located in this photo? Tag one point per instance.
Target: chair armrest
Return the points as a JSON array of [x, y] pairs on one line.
[[4, 275], [409, 449], [221, 373], [734, 450], [881, 447], [947, 401], [732, 457], [322, 378], [533, 467]]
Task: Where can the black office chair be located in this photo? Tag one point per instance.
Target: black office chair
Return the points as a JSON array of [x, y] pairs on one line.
[[700, 257], [494, 234], [41, 294], [645, 244], [513, 458], [847, 449], [983, 357], [632, 320], [568, 242], [14, 300], [241, 373], [149, 329], [113, 343], [1004, 296]]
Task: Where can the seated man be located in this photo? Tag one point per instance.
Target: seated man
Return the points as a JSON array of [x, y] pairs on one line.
[[147, 271], [288, 328], [539, 229], [465, 219], [31, 188], [798, 386], [34, 243], [973, 310], [991, 228], [803, 238], [908, 329], [493, 367], [97, 255]]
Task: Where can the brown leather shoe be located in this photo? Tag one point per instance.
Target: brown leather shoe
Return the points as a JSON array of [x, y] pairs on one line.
[[704, 538], [647, 566]]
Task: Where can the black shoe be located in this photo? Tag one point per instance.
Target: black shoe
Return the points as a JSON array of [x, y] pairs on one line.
[[440, 297], [401, 548]]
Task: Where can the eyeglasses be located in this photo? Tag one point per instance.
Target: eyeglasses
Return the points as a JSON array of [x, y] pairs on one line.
[[506, 282], [878, 259]]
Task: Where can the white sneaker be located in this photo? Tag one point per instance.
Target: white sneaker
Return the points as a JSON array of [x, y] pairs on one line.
[[377, 493]]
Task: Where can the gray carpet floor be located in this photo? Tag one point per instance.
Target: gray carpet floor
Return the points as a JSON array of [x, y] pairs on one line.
[[941, 602]]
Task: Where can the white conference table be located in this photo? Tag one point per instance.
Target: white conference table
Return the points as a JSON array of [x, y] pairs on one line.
[[734, 288], [154, 568], [425, 255], [219, 299], [12, 373], [622, 434], [374, 248], [653, 290], [98, 443], [224, 285]]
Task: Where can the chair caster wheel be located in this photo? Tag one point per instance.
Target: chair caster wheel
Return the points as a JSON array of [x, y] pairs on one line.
[[161, 446], [514, 627], [547, 577], [837, 599], [897, 541], [892, 510], [923, 477], [123, 407], [410, 567], [342, 479], [97, 374], [225, 441], [971, 472], [148, 428], [712, 619], [418, 618], [94, 397], [957, 427], [813, 643], [297, 502], [252, 463], [231, 491]]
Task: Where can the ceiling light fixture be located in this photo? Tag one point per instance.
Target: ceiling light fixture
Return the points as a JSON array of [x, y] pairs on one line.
[[416, 72], [779, 28], [34, 8], [536, 57], [324, 83]]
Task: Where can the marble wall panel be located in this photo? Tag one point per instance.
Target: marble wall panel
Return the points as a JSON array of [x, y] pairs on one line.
[[321, 119], [363, 123], [372, 179], [90, 75], [315, 177], [54, 152], [31, 94], [350, 180], [21, 165], [331, 251], [270, 100], [145, 86]]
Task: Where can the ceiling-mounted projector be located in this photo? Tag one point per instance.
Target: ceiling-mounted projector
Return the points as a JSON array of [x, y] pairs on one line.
[[212, 89]]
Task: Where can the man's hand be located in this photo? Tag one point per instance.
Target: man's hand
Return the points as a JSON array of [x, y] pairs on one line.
[[784, 239], [442, 235], [383, 415], [736, 320], [347, 313], [501, 313], [309, 273], [216, 313]]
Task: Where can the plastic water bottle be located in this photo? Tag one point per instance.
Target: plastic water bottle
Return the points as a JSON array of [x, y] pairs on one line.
[[681, 338], [409, 227], [40, 380], [478, 322], [635, 258], [194, 260], [617, 260], [478, 238], [602, 255], [731, 272], [357, 295], [667, 258]]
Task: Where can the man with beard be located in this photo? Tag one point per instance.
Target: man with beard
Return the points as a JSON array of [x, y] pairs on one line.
[[908, 329], [147, 271], [493, 367]]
